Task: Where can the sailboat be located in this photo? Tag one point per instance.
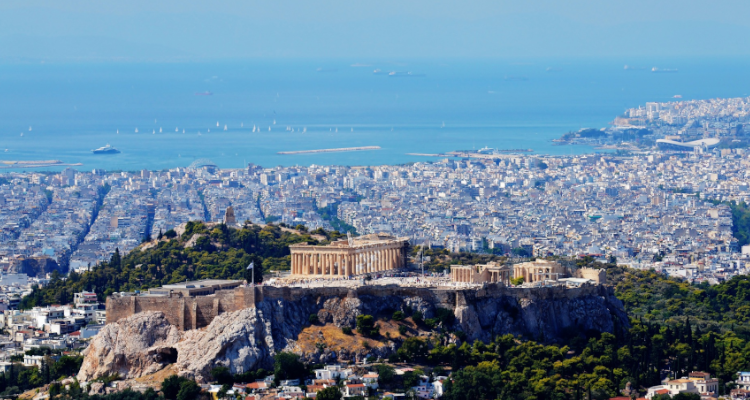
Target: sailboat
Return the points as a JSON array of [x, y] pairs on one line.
[[217, 123], [29, 129], [159, 130], [208, 131], [176, 130], [225, 127], [443, 126], [337, 130], [183, 131], [154, 132], [21, 134], [274, 122], [136, 130], [118, 131], [269, 129]]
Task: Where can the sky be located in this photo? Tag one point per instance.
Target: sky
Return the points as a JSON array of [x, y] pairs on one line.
[[178, 30]]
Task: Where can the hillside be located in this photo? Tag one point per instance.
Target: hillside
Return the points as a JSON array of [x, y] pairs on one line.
[[674, 326], [201, 252]]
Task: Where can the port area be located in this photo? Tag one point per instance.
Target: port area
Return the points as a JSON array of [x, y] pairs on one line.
[[473, 154], [362, 148], [8, 164]]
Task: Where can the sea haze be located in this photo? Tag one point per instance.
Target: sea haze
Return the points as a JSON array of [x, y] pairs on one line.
[[505, 104]]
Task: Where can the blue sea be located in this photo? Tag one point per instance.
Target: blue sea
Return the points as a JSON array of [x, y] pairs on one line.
[[63, 110]]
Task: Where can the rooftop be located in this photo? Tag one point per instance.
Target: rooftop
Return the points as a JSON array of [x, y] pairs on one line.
[[202, 283]]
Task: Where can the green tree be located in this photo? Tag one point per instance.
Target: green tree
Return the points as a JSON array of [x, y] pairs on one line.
[[171, 386], [288, 366], [222, 393], [329, 393], [366, 325], [189, 390], [385, 373], [413, 349], [222, 376]]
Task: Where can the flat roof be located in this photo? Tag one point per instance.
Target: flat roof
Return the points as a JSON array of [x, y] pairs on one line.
[[201, 283]]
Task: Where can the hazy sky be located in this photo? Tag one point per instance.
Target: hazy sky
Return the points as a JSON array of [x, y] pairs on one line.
[[362, 30]]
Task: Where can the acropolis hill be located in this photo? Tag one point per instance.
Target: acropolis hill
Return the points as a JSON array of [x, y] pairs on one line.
[[265, 320], [525, 311], [338, 271], [211, 322]]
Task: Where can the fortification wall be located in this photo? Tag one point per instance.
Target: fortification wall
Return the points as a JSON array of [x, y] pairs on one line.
[[596, 275], [183, 312], [197, 312]]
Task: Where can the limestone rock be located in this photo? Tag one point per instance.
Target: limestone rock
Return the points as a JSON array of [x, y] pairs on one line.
[[130, 347], [342, 312], [248, 339], [421, 305], [239, 340], [466, 317], [96, 388]]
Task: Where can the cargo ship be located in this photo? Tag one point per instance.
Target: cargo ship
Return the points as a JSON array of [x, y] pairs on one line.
[[105, 150]]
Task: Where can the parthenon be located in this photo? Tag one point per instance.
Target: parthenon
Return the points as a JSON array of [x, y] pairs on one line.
[[354, 256]]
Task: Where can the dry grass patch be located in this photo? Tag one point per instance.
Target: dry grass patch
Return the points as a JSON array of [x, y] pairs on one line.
[[332, 337]]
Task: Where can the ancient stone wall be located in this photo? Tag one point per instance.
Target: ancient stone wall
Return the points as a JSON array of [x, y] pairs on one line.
[[183, 312], [197, 312], [596, 275]]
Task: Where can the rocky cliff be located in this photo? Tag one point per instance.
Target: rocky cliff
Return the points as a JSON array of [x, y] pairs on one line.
[[249, 338]]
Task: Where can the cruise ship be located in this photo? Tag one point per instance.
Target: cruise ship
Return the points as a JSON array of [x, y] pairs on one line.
[[105, 150]]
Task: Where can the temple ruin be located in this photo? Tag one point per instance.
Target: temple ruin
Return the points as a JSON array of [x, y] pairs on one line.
[[349, 257]]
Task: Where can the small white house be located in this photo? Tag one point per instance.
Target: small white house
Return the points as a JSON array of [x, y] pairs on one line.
[[370, 380]]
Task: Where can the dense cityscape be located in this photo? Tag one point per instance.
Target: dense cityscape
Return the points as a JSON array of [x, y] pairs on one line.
[[490, 200], [647, 211], [669, 212]]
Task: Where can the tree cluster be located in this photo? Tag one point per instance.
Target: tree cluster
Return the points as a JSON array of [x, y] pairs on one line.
[[219, 253]]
